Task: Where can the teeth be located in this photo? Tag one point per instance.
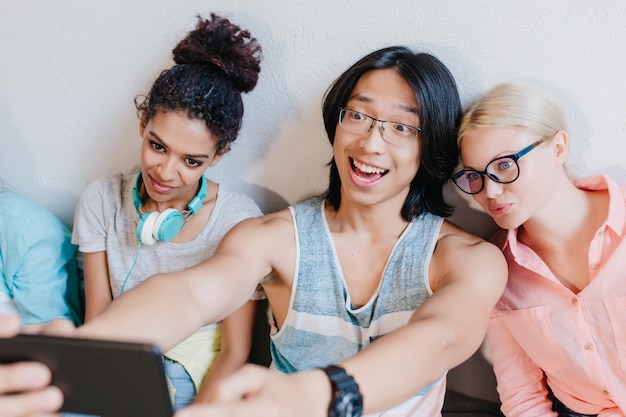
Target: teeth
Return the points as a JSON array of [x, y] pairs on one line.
[[368, 169]]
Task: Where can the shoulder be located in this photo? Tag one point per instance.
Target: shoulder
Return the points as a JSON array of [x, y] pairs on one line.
[[261, 242], [28, 223], [277, 221], [452, 235], [12, 204], [239, 203], [103, 199], [15, 209], [462, 255], [108, 185], [264, 231]]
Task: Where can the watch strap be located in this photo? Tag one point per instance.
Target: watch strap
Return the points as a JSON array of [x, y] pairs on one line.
[[346, 399]]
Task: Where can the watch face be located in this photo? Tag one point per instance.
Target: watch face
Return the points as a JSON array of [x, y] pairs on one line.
[[347, 400], [349, 405]]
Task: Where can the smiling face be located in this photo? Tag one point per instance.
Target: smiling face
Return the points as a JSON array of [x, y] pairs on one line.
[[511, 205], [176, 150], [373, 170]]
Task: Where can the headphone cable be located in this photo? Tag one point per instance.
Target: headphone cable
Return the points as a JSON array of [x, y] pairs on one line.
[[131, 269]]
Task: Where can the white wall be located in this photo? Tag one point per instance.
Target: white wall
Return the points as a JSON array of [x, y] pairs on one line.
[[69, 71]]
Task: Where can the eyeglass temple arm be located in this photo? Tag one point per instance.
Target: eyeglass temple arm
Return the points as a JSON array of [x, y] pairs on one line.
[[527, 149]]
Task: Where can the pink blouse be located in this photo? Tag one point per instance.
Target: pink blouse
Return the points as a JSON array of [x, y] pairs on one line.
[[541, 332]]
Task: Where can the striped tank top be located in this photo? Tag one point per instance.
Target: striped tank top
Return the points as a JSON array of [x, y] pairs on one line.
[[322, 327]]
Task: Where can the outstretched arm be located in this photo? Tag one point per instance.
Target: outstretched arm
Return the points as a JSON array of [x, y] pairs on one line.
[[167, 308], [467, 276]]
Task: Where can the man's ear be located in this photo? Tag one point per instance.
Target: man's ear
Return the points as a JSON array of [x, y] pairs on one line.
[[560, 145]]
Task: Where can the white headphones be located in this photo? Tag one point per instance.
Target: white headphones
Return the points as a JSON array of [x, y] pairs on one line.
[[154, 226]]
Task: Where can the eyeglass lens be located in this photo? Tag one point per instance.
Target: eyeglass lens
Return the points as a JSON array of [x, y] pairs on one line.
[[503, 170], [357, 122]]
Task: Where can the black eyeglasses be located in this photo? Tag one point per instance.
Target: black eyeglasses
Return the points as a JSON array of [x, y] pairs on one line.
[[357, 122], [503, 170]]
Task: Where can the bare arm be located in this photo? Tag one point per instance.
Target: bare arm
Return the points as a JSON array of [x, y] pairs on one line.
[[235, 349], [167, 308], [468, 277], [97, 288]]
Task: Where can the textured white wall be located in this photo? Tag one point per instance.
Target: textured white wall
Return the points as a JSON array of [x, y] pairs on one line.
[[69, 71]]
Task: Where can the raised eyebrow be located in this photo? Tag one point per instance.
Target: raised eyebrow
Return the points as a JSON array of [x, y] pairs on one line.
[[360, 97], [408, 109], [162, 143], [158, 139], [468, 168], [366, 99], [471, 168], [199, 156], [463, 168]]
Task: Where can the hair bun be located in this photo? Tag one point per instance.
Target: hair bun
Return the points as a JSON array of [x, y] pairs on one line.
[[220, 43]]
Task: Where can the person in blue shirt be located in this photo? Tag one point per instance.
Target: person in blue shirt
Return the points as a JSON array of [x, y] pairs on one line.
[[37, 262]]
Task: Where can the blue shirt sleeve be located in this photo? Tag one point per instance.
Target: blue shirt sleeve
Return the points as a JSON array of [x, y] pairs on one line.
[[39, 265]]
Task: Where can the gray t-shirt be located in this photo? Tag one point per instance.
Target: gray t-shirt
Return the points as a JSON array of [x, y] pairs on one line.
[[106, 220]]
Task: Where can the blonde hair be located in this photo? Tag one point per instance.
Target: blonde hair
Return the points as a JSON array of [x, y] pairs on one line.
[[514, 105]]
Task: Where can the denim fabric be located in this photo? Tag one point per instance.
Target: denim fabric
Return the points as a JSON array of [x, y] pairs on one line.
[[182, 382], [563, 411]]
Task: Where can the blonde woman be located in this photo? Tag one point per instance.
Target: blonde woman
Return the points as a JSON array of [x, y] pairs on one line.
[[557, 335]]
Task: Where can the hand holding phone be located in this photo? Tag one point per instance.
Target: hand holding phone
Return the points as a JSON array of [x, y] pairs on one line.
[[98, 377], [26, 385]]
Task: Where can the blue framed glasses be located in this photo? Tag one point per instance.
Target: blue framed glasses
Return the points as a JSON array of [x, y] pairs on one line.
[[503, 170]]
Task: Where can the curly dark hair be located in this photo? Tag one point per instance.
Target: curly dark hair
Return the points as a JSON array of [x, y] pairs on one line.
[[215, 63], [439, 111]]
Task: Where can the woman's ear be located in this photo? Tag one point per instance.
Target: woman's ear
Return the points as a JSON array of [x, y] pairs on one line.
[[142, 125], [560, 145], [217, 158]]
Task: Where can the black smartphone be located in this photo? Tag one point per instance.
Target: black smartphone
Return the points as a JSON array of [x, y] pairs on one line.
[[98, 377]]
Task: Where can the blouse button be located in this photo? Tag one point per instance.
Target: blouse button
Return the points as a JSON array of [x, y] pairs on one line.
[[588, 346], [595, 266], [574, 300], [605, 393]]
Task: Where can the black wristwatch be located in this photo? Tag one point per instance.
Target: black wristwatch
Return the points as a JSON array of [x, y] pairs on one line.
[[346, 399]]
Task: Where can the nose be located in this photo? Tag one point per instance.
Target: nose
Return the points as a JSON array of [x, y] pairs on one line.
[[167, 169], [492, 188], [373, 140]]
